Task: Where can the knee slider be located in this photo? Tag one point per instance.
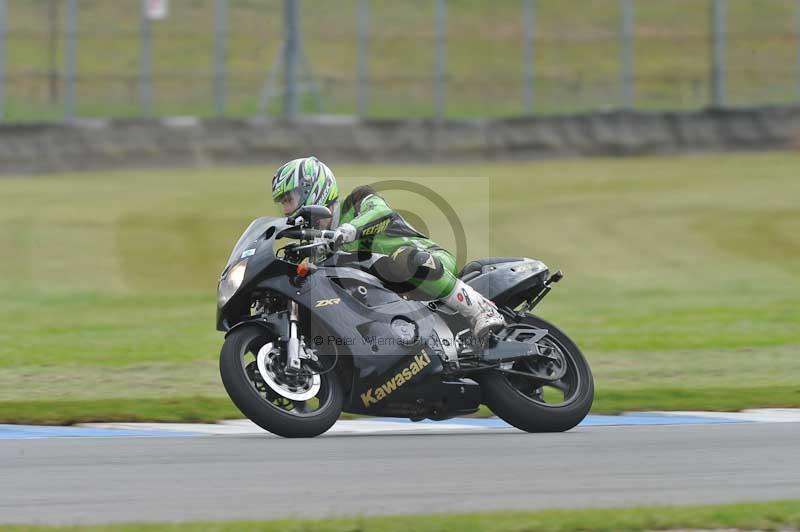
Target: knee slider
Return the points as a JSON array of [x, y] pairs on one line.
[[425, 265]]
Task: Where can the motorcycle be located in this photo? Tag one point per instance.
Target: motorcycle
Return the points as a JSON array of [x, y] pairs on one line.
[[311, 332]]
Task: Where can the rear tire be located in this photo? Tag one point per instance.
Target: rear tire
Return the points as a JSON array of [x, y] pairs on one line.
[[531, 415], [256, 407]]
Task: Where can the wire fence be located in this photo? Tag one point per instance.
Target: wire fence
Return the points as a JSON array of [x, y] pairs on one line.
[[61, 59]]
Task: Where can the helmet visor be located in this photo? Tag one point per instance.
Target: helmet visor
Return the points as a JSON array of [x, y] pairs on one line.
[[289, 201]]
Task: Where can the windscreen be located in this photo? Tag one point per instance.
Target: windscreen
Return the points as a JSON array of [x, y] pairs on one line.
[[256, 228]]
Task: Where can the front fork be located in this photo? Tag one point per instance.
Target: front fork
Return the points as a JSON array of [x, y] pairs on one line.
[[293, 354]]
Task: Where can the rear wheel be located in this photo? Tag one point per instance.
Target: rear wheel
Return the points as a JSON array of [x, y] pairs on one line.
[[555, 403], [299, 405]]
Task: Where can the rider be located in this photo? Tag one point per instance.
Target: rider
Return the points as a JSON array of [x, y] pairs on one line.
[[367, 223]]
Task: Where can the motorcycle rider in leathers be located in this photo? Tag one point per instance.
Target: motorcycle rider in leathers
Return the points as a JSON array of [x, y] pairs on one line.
[[366, 223]]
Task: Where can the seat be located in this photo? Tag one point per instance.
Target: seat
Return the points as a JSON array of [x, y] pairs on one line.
[[476, 266]]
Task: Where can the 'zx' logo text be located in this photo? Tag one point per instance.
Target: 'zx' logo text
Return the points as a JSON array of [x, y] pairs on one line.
[[327, 302]]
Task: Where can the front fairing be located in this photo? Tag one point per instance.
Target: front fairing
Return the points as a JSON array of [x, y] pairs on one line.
[[256, 250]]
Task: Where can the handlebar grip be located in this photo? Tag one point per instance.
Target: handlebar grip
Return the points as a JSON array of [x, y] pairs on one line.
[[296, 234], [307, 234]]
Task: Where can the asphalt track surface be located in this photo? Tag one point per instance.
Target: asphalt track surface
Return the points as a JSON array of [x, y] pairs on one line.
[[96, 480]]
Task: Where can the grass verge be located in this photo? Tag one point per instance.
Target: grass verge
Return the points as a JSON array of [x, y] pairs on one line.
[[681, 276], [779, 515], [211, 409]]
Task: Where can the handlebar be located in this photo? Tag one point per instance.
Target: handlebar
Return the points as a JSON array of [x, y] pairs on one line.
[[324, 239], [308, 234]]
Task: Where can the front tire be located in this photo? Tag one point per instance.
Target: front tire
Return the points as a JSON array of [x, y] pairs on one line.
[[522, 403], [262, 405]]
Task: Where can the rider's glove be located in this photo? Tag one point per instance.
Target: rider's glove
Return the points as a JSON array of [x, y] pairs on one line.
[[345, 233]]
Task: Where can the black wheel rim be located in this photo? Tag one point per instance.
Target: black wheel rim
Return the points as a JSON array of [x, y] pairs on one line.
[[551, 394], [271, 398]]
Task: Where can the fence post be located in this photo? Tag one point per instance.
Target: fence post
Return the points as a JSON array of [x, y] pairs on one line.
[[145, 61], [71, 35], [798, 48], [528, 51], [362, 65], [290, 57], [718, 44], [440, 61], [53, 36], [220, 55], [626, 54], [3, 44]]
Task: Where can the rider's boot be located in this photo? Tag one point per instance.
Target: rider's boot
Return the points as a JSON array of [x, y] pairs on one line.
[[482, 313]]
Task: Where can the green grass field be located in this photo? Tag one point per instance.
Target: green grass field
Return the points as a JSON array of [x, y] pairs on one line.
[[576, 67], [682, 277], [778, 515]]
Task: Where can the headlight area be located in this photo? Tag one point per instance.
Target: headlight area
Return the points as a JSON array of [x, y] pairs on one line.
[[231, 282]]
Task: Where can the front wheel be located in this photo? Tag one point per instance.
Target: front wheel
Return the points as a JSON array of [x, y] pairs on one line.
[[535, 405], [293, 406]]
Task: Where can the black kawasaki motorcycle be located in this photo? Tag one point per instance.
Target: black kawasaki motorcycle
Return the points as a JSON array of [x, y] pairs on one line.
[[312, 332]]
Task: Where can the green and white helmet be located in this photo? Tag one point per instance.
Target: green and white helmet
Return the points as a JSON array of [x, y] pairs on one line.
[[312, 182]]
